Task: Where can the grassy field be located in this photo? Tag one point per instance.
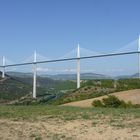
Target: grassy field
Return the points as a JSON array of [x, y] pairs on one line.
[[57, 122], [65, 113]]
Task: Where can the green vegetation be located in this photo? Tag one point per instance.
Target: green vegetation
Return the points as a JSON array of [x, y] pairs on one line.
[[95, 88], [65, 113], [58, 92], [15, 88], [113, 102], [66, 98], [127, 84], [48, 83], [42, 122], [11, 89], [103, 83], [97, 103]]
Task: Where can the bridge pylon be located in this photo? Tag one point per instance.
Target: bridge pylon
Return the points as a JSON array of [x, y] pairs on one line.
[[139, 57], [3, 64], [34, 75], [78, 66]]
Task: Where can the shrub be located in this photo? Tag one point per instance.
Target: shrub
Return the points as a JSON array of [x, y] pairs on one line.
[[112, 101], [136, 105], [97, 103]]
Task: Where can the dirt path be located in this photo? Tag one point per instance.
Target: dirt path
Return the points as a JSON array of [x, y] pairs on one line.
[[130, 95]]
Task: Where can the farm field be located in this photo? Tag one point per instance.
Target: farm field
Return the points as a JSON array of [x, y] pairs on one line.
[[43, 122], [130, 95]]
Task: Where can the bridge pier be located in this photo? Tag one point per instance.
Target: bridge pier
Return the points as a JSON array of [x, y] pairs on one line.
[[78, 66], [3, 63], [34, 75], [139, 57]]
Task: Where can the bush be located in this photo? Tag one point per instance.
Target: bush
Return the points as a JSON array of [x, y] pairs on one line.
[[136, 105], [97, 103], [113, 102]]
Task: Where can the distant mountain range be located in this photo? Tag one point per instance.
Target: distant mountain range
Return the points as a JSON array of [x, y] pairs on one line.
[[136, 75], [19, 74], [84, 76]]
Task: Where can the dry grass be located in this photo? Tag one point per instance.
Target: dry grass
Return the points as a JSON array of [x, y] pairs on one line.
[[131, 95], [68, 123], [54, 129]]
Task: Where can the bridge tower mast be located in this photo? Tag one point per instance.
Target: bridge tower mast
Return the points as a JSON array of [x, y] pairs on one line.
[[78, 66], [139, 57], [3, 63], [34, 75]]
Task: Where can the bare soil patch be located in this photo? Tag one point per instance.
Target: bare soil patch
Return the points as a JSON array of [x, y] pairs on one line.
[[54, 129]]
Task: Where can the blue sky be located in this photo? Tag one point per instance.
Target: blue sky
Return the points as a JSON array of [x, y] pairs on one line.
[[54, 27]]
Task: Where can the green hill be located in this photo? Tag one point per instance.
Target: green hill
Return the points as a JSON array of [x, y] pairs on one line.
[[96, 88], [11, 89], [19, 85]]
